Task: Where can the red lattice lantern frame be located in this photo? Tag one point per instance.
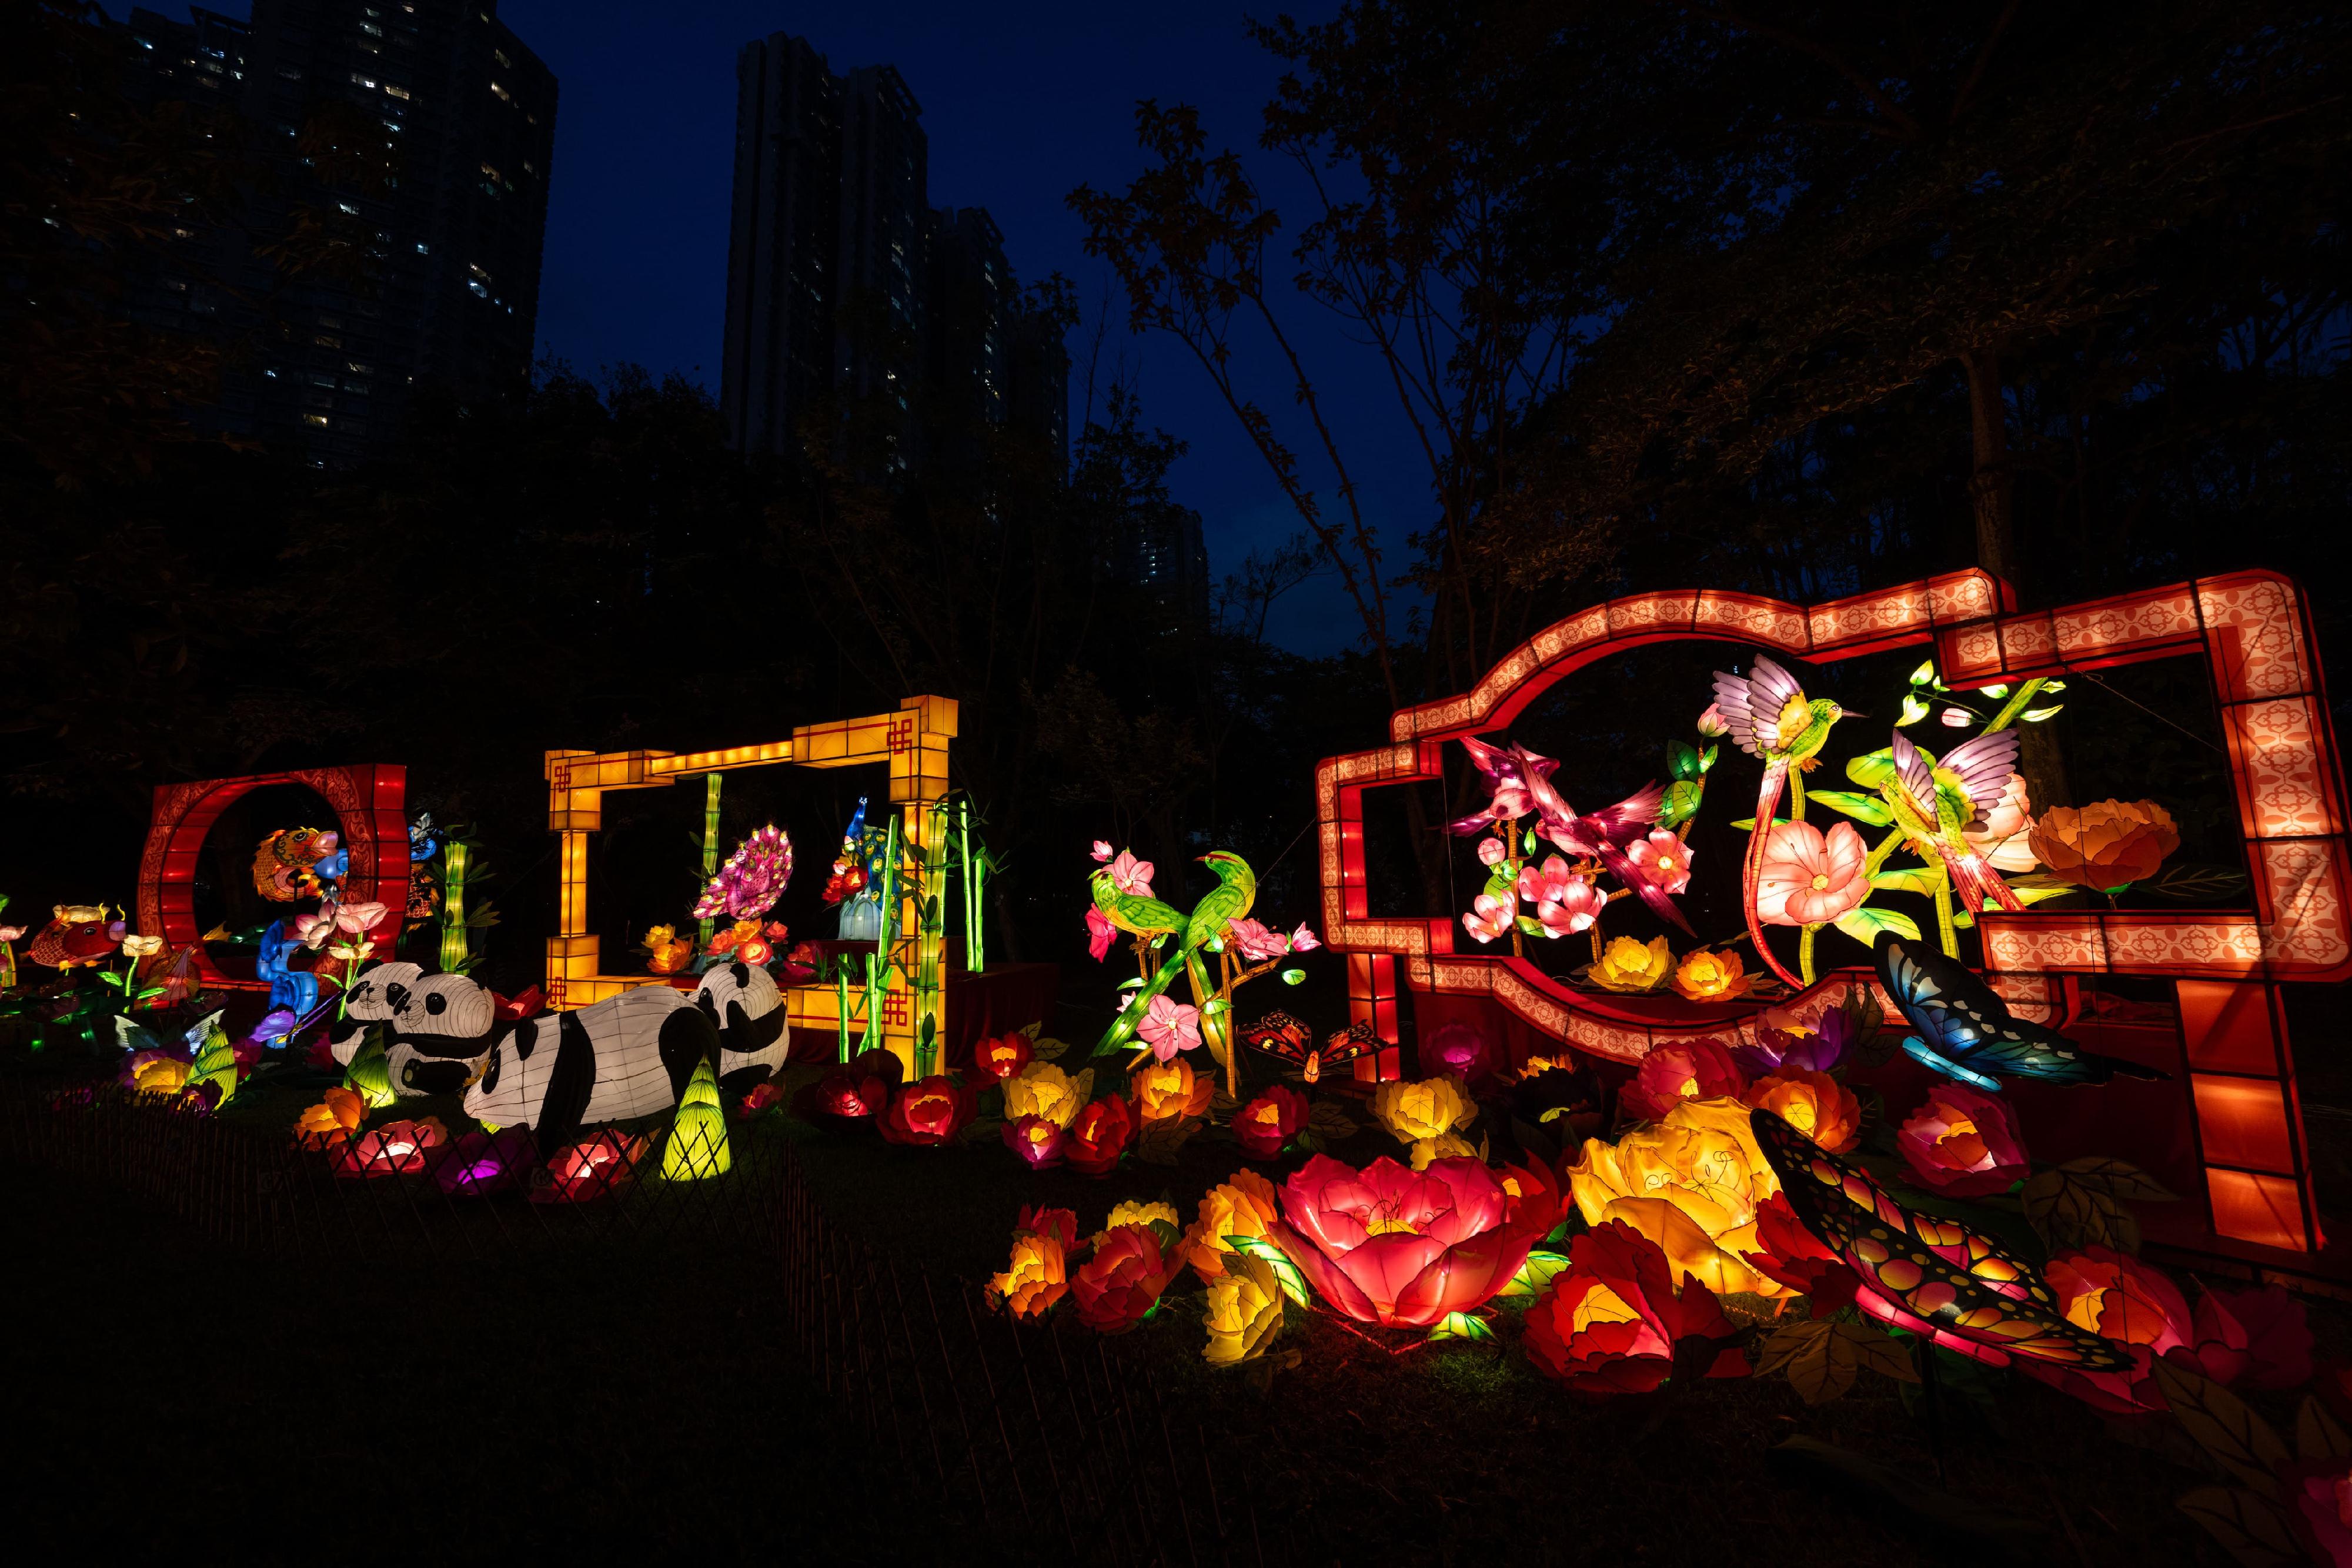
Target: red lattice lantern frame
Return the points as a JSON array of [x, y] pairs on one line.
[[369, 802], [2233, 1081]]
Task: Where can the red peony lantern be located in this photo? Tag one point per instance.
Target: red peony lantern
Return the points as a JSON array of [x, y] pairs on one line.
[[1402, 1248], [1117, 1286], [1270, 1121], [1613, 1322], [931, 1111], [1098, 1135]]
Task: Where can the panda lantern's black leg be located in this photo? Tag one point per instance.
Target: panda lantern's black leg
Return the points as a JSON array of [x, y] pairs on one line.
[[569, 1085]]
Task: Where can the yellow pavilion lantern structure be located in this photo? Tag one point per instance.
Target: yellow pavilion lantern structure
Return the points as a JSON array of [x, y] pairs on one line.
[[913, 741]]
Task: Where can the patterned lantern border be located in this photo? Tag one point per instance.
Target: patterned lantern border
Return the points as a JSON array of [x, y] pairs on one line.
[[2252, 627], [370, 803]]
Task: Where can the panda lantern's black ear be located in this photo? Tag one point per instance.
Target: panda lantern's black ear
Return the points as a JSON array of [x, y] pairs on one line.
[[741, 975]]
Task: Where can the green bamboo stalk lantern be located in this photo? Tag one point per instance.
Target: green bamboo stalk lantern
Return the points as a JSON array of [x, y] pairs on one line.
[[454, 953], [841, 1002], [710, 786], [929, 986]]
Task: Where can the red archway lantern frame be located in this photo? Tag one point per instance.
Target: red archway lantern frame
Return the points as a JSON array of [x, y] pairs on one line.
[[2234, 1079], [370, 804]]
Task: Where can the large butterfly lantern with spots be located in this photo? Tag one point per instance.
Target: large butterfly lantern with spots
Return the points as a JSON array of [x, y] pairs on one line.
[[1924, 1274]]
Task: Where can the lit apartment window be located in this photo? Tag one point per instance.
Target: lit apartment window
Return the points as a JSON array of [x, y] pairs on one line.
[[325, 341], [500, 56], [395, 92], [422, 249], [317, 419], [358, 368], [363, 81], [504, 96], [349, 208], [474, 284], [371, 28]]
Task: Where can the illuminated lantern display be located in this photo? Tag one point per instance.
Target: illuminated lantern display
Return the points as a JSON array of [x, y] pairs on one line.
[[1269, 1122], [745, 1003], [369, 861], [214, 1076], [629, 1057], [696, 1148], [1002, 1057], [479, 1164], [331, 1122], [1404, 1249], [1167, 1091], [1037, 1276], [1691, 1183], [435, 1030], [1121, 1279], [1042, 1089], [1612, 1323], [77, 935], [1244, 1204], [1245, 1313], [2229, 1102], [596, 1166], [932, 1111], [904, 1006], [154, 1072], [853, 1094], [369, 1075], [1099, 1134], [396, 1148]]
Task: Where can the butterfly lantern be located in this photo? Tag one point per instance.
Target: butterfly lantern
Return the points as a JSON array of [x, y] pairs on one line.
[[1963, 1030], [1279, 1035], [1927, 1275]]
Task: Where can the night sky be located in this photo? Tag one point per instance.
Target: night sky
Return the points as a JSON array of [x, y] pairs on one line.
[[1021, 105]]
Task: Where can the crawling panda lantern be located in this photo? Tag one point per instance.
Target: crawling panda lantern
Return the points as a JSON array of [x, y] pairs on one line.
[[437, 1028], [626, 1057], [745, 1005], [631, 1055]]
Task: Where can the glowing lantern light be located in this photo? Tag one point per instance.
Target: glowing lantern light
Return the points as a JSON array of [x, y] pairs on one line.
[[698, 1136]]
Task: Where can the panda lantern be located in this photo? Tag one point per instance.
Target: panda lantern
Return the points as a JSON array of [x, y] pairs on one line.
[[627, 1057], [631, 1055]]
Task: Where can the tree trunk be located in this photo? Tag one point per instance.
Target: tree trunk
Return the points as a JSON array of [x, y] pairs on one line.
[[1991, 485], [1992, 496]]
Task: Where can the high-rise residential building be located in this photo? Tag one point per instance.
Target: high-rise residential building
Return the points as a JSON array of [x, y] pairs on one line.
[[1160, 549], [846, 290], [420, 132]]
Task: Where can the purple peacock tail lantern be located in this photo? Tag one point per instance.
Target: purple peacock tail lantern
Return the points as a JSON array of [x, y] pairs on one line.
[[753, 878]]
